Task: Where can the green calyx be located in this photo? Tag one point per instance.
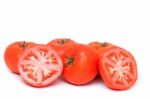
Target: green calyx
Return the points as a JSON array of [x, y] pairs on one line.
[[63, 41], [70, 61], [23, 44], [103, 44]]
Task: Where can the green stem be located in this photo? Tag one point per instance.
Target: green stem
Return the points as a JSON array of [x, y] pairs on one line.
[[23, 44], [103, 44], [63, 41], [70, 61]]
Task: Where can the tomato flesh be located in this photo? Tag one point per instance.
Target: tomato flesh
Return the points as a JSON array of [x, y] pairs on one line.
[[118, 68], [40, 65]]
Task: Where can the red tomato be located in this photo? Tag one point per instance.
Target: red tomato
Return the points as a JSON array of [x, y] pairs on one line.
[[40, 65], [80, 64], [13, 52], [98, 47], [118, 68], [61, 44]]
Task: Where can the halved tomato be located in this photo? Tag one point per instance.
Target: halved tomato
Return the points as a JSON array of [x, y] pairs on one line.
[[40, 65], [118, 68], [12, 53], [61, 44]]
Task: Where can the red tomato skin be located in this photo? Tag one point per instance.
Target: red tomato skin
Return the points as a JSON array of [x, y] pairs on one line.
[[84, 68], [98, 47], [12, 54], [61, 44]]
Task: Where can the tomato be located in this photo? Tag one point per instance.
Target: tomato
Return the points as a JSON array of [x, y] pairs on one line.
[[13, 52], [40, 65], [118, 68], [98, 47], [61, 44], [80, 64]]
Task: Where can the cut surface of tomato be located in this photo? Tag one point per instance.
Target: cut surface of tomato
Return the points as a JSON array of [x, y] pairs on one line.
[[40, 65], [118, 68]]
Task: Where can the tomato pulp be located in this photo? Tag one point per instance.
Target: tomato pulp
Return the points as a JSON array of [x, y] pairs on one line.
[[40, 65], [117, 68]]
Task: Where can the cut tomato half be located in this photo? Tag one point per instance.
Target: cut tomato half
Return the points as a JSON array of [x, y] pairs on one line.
[[118, 68], [40, 65]]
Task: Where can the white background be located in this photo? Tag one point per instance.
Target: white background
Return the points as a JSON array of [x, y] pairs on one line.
[[122, 22]]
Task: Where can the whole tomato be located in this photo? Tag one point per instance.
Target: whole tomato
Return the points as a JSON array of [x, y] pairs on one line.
[[98, 47], [80, 64], [61, 44], [13, 52]]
